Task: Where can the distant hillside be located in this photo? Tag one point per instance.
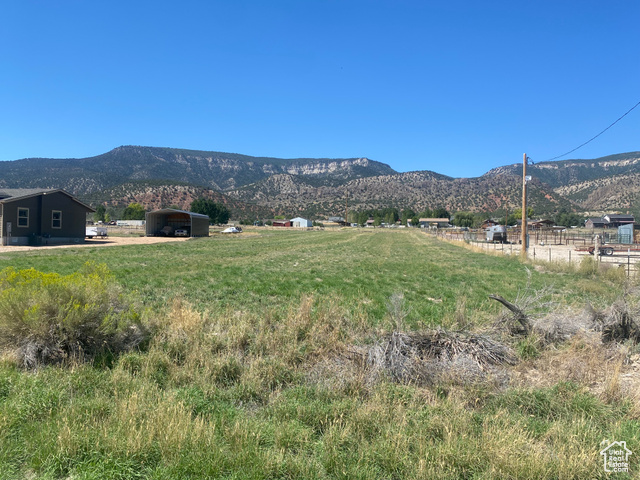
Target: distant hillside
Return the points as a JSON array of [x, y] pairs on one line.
[[155, 195], [263, 186], [215, 170], [418, 190], [603, 184]]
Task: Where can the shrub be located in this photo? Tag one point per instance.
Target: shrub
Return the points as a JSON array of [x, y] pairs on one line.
[[588, 266], [49, 318]]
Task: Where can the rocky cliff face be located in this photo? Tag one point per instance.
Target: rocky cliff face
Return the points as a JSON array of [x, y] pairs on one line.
[[319, 186], [216, 170]]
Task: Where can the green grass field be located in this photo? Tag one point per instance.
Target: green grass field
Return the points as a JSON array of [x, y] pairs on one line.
[[245, 375]]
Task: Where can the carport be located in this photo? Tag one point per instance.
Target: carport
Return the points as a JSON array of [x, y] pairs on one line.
[[166, 221]]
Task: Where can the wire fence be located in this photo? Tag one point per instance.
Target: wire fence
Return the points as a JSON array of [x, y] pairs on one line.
[[547, 247]]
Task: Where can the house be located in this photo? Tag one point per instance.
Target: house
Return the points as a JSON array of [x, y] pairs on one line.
[[169, 221], [615, 221], [594, 222], [609, 221], [300, 222], [434, 222], [41, 217]]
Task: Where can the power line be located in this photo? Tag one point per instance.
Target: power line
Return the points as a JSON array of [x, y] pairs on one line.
[[591, 139]]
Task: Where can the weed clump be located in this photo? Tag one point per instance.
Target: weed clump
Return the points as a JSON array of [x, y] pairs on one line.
[[429, 357], [47, 318]]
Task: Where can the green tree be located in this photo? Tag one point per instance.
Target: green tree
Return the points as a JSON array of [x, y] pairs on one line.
[[517, 213], [407, 214], [441, 212], [463, 219], [134, 211], [568, 219], [217, 213], [100, 213]]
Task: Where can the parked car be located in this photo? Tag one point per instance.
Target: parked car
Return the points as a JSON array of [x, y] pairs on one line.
[[232, 230], [181, 232]]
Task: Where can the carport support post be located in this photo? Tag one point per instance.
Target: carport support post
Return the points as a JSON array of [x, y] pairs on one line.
[[524, 206]]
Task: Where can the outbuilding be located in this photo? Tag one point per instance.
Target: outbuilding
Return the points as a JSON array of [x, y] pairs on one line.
[[628, 234], [41, 217], [299, 222], [168, 221]]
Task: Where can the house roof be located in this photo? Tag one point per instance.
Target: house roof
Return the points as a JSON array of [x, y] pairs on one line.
[[297, 219], [439, 220], [619, 217], [8, 195]]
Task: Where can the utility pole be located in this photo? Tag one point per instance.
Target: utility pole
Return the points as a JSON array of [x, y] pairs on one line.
[[523, 239]]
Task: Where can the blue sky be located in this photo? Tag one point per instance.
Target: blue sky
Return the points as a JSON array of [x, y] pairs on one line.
[[456, 87]]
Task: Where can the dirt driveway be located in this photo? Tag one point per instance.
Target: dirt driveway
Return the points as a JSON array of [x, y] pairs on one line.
[[101, 242]]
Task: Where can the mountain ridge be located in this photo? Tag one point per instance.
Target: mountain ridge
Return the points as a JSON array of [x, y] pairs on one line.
[[160, 176]]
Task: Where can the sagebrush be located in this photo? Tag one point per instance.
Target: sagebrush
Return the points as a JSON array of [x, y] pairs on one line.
[[49, 318]]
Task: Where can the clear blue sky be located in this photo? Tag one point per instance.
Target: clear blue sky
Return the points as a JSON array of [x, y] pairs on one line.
[[456, 87]]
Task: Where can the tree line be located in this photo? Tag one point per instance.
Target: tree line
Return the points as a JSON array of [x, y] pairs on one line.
[[217, 212], [392, 215]]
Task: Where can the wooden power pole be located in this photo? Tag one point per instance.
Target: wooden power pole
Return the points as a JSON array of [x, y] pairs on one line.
[[524, 206]]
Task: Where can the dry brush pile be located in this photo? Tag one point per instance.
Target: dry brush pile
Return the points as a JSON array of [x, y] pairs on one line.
[[531, 336]]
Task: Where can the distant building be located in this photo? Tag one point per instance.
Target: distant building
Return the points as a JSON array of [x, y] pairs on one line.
[[609, 221], [300, 222], [281, 223], [615, 221], [595, 222], [434, 222], [169, 221], [539, 224], [41, 217]]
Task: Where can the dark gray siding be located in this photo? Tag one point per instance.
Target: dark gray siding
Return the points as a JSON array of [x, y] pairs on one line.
[[41, 228]]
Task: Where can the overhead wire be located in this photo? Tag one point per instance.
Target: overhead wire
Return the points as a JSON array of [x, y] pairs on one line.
[[593, 138]]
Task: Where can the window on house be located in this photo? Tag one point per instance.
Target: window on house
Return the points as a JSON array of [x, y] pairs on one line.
[[56, 219], [23, 217]]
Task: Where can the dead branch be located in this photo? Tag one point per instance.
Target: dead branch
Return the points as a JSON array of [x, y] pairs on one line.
[[518, 314]]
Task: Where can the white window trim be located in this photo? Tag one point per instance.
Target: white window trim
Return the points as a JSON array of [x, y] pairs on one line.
[[52, 219], [19, 217]]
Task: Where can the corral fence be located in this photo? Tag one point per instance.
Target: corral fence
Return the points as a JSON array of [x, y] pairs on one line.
[[550, 246]]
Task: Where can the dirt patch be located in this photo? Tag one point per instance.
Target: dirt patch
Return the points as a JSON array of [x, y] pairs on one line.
[[100, 242]]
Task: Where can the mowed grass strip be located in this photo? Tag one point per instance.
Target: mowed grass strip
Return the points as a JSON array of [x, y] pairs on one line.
[[361, 269]]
